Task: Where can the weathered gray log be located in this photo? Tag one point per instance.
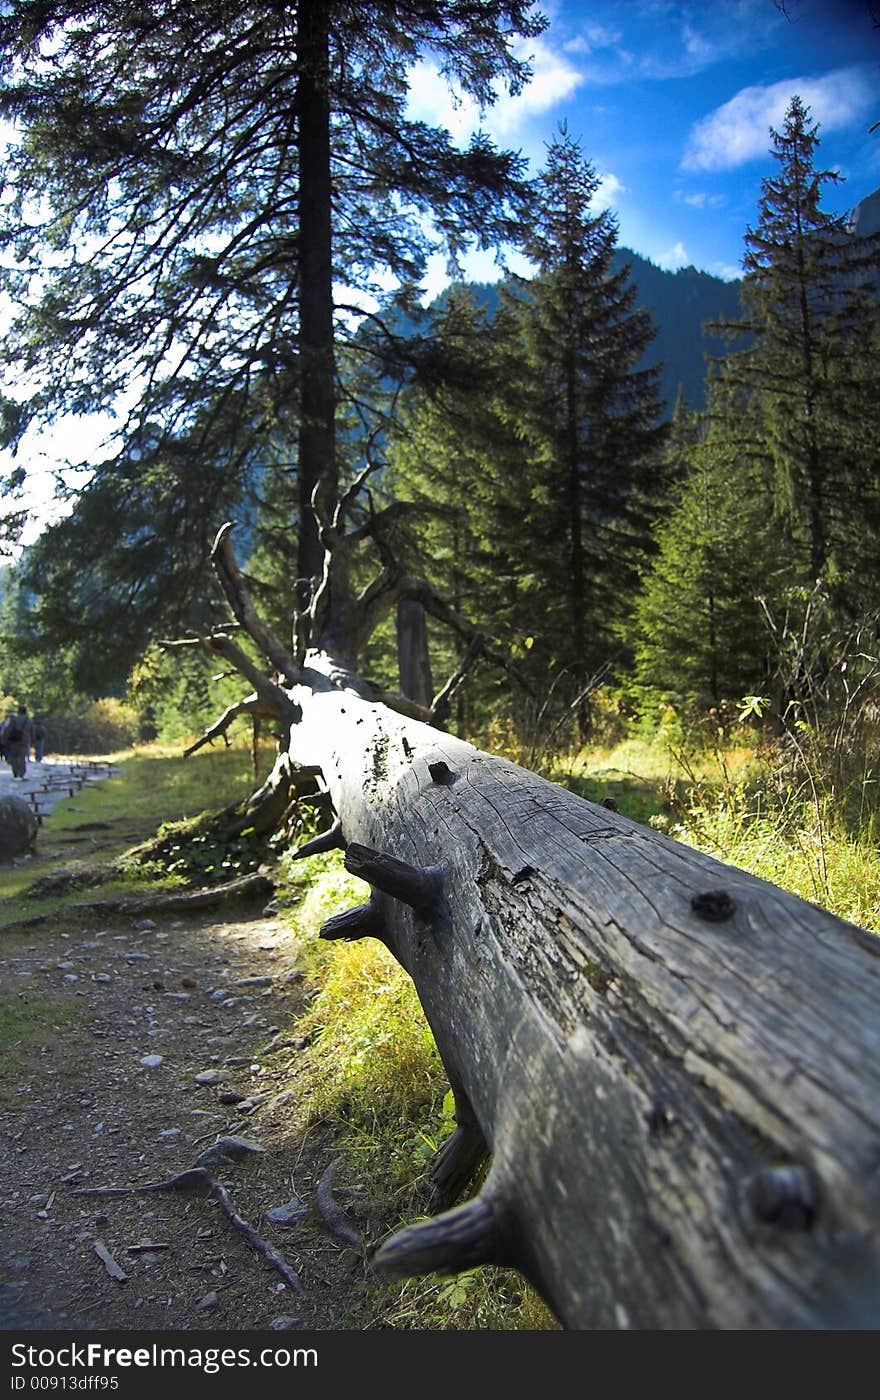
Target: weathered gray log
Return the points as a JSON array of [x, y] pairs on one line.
[[675, 1066]]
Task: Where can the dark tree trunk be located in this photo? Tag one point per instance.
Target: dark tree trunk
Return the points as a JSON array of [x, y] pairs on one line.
[[675, 1066], [317, 446], [413, 656]]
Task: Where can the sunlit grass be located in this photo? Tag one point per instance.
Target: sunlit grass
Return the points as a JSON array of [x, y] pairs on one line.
[[378, 1079], [152, 785], [728, 801]]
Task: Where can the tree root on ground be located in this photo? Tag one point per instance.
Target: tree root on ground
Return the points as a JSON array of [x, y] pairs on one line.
[[199, 1180]]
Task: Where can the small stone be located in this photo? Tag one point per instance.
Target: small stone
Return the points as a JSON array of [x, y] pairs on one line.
[[226, 1150], [209, 1301], [144, 925], [64, 966], [254, 982], [210, 1076], [291, 1213], [136, 957], [283, 1324], [70, 977], [151, 1061], [170, 1133], [230, 1096], [296, 974], [188, 982], [101, 977]]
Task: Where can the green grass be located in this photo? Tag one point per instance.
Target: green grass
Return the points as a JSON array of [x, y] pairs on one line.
[[27, 1025], [154, 786], [377, 1078], [735, 803], [104, 820]]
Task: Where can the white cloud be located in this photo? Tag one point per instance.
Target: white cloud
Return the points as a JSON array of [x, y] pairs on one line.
[[699, 199], [594, 36], [606, 195], [430, 100], [698, 48], [554, 78], [674, 257], [738, 131]]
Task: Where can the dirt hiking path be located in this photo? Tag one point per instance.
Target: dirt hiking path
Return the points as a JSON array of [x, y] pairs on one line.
[[144, 1040]]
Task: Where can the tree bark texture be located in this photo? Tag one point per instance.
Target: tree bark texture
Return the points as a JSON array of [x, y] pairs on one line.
[[317, 442], [675, 1066], [413, 656]]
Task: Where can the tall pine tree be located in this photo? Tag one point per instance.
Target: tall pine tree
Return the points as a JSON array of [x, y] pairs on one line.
[[197, 202], [698, 625], [587, 415], [810, 370]]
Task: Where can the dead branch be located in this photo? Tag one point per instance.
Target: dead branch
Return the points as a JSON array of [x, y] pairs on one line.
[[393, 586], [404, 706], [247, 887], [251, 705], [239, 599], [442, 702], [273, 698], [398, 510]]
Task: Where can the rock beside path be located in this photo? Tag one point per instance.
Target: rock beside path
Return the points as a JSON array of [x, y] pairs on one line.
[[18, 827]]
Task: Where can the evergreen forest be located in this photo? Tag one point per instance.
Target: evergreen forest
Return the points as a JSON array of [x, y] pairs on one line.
[[635, 569]]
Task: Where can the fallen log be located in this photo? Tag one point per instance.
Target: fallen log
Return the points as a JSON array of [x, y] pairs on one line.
[[674, 1065]]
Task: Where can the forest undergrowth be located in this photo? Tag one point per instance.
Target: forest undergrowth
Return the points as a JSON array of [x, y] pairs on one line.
[[792, 808]]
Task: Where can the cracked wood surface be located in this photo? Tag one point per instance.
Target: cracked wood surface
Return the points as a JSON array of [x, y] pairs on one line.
[[681, 1094]]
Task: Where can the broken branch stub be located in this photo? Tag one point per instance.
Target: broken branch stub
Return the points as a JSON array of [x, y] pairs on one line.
[[417, 887], [365, 921]]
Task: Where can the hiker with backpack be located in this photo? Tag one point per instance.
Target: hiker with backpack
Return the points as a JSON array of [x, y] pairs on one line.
[[17, 736]]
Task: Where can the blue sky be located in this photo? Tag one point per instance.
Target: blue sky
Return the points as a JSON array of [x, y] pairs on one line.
[[672, 101]]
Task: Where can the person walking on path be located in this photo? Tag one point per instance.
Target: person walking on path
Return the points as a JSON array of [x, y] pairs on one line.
[[18, 737]]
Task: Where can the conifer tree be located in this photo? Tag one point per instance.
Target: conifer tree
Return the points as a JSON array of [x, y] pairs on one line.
[[810, 371], [204, 195], [449, 448], [700, 637], [587, 415]]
